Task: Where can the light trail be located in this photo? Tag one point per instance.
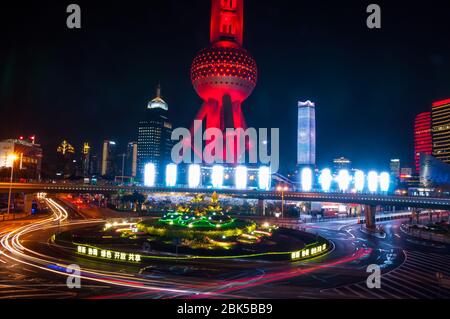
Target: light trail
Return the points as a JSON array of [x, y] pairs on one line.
[[282, 275], [11, 243], [15, 251]]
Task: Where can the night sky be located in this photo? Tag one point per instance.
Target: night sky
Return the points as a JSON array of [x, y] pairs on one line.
[[95, 83]]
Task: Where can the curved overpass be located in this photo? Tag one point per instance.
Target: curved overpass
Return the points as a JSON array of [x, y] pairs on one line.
[[363, 199]]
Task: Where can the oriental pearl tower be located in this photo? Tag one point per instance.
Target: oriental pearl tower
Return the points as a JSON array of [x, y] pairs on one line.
[[224, 74]]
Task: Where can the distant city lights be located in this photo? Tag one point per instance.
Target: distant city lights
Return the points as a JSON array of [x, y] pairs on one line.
[[325, 179], [217, 176], [264, 178], [241, 177], [306, 179], [194, 175], [149, 174], [171, 175]]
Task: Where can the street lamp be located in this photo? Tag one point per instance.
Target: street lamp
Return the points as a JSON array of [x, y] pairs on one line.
[[282, 189], [11, 158]]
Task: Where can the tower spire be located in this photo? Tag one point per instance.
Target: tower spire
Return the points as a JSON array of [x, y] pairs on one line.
[[227, 22], [158, 90]]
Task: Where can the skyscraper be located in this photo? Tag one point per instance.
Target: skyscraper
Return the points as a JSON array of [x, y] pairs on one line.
[[224, 74], [131, 164], [341, 163], [422, 137], [154, 143], [306, 134], [109, 159], [440, 128], [395, 168], [85, 159]]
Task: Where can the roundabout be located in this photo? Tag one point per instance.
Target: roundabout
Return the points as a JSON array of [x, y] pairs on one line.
[[198, 230], [113, 259]]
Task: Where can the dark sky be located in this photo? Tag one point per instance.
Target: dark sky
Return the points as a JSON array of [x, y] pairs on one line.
[[94, 83]]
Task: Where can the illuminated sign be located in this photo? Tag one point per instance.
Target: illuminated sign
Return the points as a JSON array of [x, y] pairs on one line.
[[359, 181], [108, 254], [194, 176], [306, 179], [171, 175], [264, 178], [217, 176], [344, 180], [372, 179], [241, 177], [325, 179], [385, 180], [308, 252], [149, 175]]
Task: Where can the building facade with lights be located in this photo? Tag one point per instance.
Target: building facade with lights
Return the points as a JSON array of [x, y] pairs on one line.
[[440, 128], [154, 144], [306, 134], [28, 162], [423, 142]]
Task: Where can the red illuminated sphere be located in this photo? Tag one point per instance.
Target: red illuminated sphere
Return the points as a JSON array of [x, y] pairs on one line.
[[219, 71]]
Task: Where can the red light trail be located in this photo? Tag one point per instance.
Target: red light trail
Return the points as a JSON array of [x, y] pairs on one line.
[[283, 275]]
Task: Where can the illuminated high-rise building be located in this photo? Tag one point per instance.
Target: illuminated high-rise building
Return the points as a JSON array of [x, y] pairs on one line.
[[395, 168], [109, 159], [440, 128], [131, 164], [306, 133], [224, 74], [85, 159], [154, 143], [341, 163], [423, 142]]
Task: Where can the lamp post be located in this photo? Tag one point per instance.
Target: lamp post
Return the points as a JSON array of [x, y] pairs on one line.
[[12, 158], [282, 189]]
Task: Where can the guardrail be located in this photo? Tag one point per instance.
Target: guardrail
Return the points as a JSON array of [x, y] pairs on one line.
[[427, 235], [386, 218], [364, 199], [12, 216]]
